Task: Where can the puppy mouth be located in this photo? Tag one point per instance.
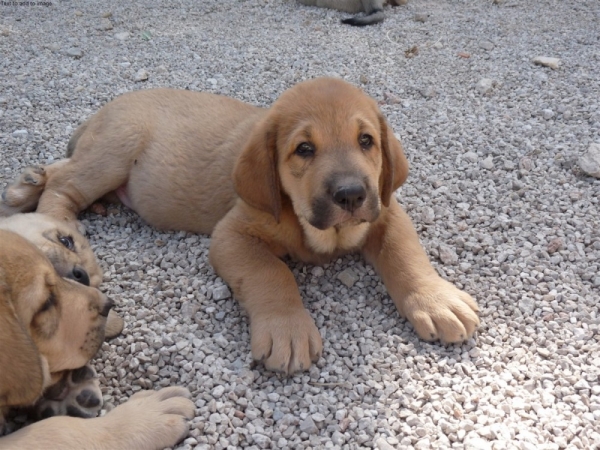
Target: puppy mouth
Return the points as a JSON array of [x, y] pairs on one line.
[[339, 218], [350, 222]]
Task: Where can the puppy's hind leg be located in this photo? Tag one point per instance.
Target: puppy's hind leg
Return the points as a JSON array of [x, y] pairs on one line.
[[23, 194], [89, 175]]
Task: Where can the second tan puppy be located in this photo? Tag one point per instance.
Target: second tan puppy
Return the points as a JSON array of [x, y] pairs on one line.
[[312, 177], [49, 325]]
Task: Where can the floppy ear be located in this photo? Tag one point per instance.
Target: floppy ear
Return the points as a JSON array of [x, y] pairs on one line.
[[21, 373], [395, 165], [255, 176]]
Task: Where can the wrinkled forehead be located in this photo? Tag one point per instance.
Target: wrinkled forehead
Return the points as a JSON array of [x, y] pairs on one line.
[[329, 109]]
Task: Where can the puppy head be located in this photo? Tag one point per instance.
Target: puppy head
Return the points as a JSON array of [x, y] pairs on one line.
[[47, 324], [326, 146], [66, 248]]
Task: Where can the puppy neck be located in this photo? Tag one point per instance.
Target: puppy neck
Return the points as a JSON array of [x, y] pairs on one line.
[[334, 239]]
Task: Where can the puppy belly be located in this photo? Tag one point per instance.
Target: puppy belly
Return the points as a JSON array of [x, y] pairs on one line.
[[123, 195]]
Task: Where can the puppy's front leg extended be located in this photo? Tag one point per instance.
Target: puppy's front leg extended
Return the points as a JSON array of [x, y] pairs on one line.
[[435, 307], [283, 334], [150, 420]]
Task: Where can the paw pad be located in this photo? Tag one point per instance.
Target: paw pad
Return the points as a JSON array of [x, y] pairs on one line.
[[77, 394]]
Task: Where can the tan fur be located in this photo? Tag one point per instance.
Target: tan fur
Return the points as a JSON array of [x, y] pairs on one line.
[[174, 153], [38, 344]]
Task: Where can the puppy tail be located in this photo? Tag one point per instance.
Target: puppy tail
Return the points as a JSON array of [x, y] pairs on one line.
[[73, 141], [374, 17]]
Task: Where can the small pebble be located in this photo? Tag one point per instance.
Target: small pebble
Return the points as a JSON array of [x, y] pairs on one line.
[[553, 63], [589, 162]]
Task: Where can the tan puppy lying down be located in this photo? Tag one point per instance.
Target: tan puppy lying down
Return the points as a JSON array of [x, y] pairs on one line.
[[49, 325], [312, 177]]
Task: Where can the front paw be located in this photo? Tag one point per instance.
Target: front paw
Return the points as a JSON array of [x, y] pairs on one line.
[[150, 420], [77, 394], [285, 341], [24, 193], [441, 311]]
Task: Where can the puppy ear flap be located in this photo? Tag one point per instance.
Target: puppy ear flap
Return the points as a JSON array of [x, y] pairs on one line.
[[22, 373], [255, 175], [395, 165]]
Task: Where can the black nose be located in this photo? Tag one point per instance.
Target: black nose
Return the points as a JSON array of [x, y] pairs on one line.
[[107, 306], [350, 197], [79, 275]]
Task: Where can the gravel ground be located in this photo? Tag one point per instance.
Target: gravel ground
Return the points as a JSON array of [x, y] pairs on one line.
[[496, 192]]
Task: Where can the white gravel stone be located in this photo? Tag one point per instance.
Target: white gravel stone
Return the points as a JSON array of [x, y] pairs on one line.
[[448, 255], [123, 36], [75, 52], [348, 277], [221, 292], [589, 162], [485, 85], [308, 426], [141, 75], [553, 63], [487, 163], [20, 133]]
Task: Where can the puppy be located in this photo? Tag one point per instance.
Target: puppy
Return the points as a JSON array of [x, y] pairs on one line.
[[312, 177], [373, 9], [49, 325], [77, 393]]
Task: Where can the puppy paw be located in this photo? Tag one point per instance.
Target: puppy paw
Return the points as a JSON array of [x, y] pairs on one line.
[[24, 193], [152, 419], [77, 394], [285, 342], [441, 311]]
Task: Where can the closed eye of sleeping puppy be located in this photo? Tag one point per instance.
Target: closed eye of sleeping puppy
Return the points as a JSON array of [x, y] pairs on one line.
[[49, 325], [312, 177]]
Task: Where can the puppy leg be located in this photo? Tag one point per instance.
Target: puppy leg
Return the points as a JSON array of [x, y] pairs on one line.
[[24, 193], [436, 308], [77, 394], [150, 420], [283, 335]]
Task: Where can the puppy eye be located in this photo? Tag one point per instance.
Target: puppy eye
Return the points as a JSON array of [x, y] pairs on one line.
[[305, 150], [67, 241], [365, 141], [49, 303]]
